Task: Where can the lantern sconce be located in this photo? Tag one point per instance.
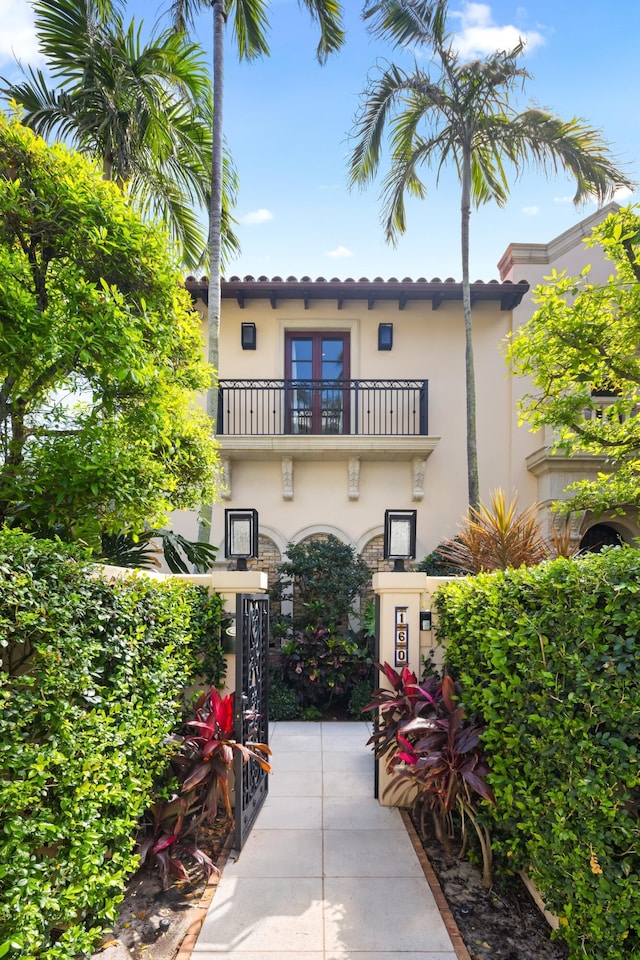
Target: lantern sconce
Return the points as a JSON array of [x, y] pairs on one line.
[[241, 536], [400, 536], [385, 336], [248, 336]]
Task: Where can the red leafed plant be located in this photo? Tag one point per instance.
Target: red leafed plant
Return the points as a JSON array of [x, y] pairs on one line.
[[201, 765], [423, 731]]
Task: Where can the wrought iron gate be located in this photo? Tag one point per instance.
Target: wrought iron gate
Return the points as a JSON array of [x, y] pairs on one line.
[[251, 707]]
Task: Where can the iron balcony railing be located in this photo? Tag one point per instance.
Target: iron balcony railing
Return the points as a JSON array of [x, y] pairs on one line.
[[386, 408]]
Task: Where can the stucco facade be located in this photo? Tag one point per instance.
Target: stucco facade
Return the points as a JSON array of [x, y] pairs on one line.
[[325, 461]]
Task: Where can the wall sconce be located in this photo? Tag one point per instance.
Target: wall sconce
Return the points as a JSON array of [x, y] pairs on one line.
[[400, 536], [241, 536], [248, 336], [385, 336]]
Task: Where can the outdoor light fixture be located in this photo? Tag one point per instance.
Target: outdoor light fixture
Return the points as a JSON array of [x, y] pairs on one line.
[[241, 536], [400, 536], [248, 336], [385, 336]]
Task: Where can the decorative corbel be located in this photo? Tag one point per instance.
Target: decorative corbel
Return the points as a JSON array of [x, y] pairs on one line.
[[354, 478], [418, 465], [287, 478], [225, 479]]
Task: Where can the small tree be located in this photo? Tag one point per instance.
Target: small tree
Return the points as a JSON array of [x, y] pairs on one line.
[[323, 578], [580, 349], [100, 354]]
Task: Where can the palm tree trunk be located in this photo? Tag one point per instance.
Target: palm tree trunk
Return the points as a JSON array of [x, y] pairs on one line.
[[215, 235], [472, 446], [215, 212]]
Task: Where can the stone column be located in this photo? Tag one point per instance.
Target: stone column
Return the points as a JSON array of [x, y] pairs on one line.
[[405, 630]]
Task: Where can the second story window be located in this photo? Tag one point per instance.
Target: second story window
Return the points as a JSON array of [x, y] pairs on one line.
[[317, 373]]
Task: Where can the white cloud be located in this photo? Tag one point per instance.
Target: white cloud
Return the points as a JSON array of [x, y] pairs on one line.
[[479, 35], [257, 216], [340, 253], [531, 211], [622, 194], [17, 34], [563, 199]]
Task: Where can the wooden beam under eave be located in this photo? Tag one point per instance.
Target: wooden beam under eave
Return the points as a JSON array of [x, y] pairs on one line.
[[436, 301], [340, 303], [402, 301], [371, 303], [273, 301], [306, 301], [240, 299]]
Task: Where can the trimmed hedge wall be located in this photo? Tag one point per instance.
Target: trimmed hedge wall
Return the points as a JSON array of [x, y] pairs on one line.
[[547, 657], [83, 725]]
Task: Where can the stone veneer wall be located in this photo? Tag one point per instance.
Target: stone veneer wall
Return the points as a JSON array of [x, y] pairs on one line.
[[269, 558]]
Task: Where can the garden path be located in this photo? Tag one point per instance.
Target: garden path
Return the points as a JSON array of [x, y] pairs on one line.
[[327, 873]]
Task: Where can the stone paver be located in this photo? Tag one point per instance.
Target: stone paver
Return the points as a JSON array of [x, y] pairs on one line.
[[327, 873]]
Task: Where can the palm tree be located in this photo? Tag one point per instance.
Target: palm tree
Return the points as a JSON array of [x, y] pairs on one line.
[[143, 110], [249, 21], [460, 112]]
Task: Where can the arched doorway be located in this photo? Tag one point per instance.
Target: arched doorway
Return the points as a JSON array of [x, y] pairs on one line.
[[600, 535]]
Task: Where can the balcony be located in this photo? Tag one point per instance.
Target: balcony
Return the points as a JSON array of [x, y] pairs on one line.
[[322, 408]]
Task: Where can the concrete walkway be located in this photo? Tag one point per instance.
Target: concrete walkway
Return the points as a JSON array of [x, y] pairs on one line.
[[327, 873]]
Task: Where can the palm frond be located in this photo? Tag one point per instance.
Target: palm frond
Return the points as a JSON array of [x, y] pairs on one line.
[[408, 22], [554, 144], [327, 14], [250, 27]]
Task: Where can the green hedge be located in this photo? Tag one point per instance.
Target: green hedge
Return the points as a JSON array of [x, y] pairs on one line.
[[547, 656], [83, 725]]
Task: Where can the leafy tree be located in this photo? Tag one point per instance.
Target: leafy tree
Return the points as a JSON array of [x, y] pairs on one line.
[[581, 350], [460, 113], [249, 21], [143, 110], [323, 578], [100, 353]]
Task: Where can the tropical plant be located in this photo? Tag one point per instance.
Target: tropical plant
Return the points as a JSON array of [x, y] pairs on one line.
[[580, 351], [427, 739], [202, 765], [249, 20], [99, 357], [170, 833], [495, 537], [321, 667], [139, 550], [141, 109], [460, 112]]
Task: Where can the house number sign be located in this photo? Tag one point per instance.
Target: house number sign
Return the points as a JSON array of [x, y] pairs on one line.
[[401, 637]]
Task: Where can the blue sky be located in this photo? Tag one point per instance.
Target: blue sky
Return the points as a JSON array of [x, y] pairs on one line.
[[288, 121]]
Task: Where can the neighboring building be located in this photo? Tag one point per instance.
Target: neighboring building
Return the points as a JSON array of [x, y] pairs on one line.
[[554, 472], [340, 399]]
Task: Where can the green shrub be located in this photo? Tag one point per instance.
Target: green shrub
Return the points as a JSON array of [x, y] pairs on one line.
[[360, 697], [283, 702], [547, 656], [90, 690]]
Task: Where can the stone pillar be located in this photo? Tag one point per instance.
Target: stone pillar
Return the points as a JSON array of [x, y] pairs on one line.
[[406, 636]]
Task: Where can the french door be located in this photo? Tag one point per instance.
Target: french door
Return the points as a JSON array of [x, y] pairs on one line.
[[317, 374]]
